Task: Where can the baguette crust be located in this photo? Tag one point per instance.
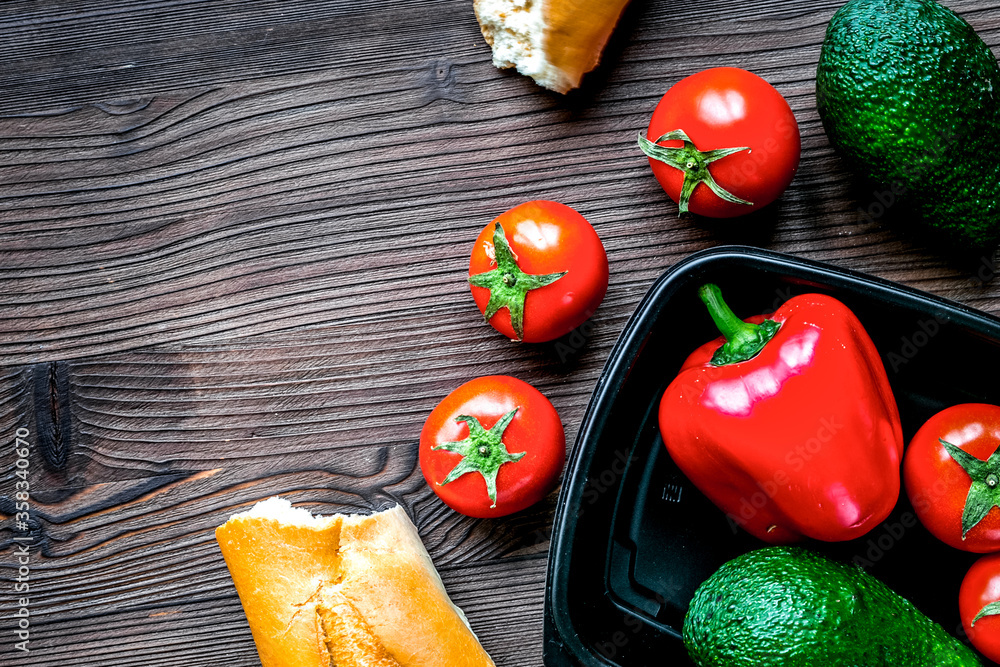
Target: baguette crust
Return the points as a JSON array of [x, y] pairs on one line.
[[577, 32], [345, 591]]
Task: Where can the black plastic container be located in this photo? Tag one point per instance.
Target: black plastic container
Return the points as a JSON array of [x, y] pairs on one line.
[[633, 538]]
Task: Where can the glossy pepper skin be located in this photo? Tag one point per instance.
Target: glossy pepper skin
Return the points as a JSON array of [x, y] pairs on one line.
[[794, 431]]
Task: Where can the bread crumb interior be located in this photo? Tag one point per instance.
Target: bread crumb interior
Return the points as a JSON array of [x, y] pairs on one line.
[[516, 29]]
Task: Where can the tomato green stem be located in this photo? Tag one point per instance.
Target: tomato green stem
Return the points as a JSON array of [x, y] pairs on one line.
[[743, 339], [992, 609], [482, 452], [508, 284], [983, 493], [693, 162]]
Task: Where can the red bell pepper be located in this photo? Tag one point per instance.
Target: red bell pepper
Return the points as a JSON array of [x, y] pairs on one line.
[[787, 422]]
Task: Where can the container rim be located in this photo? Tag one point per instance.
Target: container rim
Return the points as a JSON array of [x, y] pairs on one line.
[[559, 631]]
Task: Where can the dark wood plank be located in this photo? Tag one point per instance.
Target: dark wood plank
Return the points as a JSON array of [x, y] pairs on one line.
[[165, 444], [211, 631], [347, 193], [233, 246], [115, 560]]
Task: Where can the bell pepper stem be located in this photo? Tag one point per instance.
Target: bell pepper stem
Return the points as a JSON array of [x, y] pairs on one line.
[[743, 339], [732, 327]]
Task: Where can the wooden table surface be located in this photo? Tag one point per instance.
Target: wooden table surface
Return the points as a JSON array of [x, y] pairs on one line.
[[233, 245]]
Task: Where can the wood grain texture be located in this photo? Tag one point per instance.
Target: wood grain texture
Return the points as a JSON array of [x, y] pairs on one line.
[[233, 246]]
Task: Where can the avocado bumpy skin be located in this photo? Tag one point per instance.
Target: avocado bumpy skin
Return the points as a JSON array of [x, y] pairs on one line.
[[789, 607], [910, 96]]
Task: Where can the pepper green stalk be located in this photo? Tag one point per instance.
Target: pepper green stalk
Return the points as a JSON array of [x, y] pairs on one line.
[[743, 339]]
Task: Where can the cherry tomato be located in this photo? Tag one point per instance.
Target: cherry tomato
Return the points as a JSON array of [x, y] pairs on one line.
[[980, 589], [718, 109], [952, 476], [538, 271], [492, 447]]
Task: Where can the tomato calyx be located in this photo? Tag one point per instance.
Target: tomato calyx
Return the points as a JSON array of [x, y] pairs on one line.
[[508, 284], [992, 609], [984, 493], [693, 162], [743, 339], [483, 452]]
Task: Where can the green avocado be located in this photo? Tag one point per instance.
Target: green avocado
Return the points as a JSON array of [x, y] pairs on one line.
[[910, 96], [789, 607]]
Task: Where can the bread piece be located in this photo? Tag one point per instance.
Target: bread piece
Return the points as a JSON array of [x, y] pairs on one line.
[[343, 591], [555, 42]]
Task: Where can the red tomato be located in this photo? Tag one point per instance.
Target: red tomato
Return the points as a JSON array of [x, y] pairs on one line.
[[553, 279], [938, 484], [494, 426], [721, 108], [981, 587]]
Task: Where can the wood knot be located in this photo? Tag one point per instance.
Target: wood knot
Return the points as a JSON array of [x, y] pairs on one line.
[[51, 403]]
